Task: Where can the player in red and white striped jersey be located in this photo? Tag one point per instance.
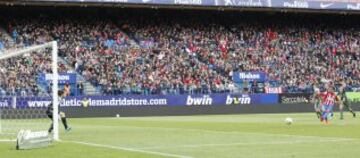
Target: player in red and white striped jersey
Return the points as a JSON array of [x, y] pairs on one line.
[[329, 99]]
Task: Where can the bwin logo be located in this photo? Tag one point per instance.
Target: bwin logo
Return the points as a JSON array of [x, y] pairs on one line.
[[204, 100], [244, 99]]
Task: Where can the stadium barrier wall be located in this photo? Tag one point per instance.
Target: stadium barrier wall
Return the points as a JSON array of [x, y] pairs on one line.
[[287, 103], [130, 111], [169, 105], [146, 100]]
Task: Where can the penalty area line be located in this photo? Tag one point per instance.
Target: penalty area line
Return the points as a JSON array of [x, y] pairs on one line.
[[129, 149]]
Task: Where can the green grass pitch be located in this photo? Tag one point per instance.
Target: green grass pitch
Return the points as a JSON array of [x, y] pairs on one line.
[[216, 136]]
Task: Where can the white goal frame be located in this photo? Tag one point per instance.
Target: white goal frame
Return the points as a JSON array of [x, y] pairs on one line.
[[54, 65]]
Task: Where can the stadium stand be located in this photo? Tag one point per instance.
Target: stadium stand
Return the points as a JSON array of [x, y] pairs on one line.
[[177, 54]]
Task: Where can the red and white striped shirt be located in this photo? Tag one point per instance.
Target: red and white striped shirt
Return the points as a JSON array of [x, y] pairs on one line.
[[329, 98]]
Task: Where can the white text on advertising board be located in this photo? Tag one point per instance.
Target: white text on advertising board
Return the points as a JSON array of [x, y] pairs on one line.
[[61, 77], [296, 4], [254, 3], [188, 2], [4, 104], [353, 6], [251, 76], [204, 100]]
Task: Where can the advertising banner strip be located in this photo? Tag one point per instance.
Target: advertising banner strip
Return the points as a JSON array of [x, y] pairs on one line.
[[304, 4], [149, 100], [62, 79], [249, 76], [353, 96], [276, 90]]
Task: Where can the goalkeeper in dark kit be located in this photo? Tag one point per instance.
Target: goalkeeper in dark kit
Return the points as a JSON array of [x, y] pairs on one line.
[[49, 113]]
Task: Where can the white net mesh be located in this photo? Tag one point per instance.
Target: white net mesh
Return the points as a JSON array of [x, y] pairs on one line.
[[15, 117], [24, 96]]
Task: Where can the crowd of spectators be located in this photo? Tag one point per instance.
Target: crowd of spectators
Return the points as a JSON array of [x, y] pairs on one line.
[[106, 57], [162, 54], [5, 44], [295, 55], [19, 75]]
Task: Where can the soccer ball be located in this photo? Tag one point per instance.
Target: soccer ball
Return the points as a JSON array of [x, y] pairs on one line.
[[288, 121]]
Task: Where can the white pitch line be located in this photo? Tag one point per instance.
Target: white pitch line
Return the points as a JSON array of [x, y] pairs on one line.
[[236, 144], [7, 133], [7, 140], [130, 149]]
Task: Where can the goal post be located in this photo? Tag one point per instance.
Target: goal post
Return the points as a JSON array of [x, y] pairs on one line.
[[54, 68], [55, 99]]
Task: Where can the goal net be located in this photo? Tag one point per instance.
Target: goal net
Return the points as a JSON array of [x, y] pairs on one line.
[[24, 95]]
